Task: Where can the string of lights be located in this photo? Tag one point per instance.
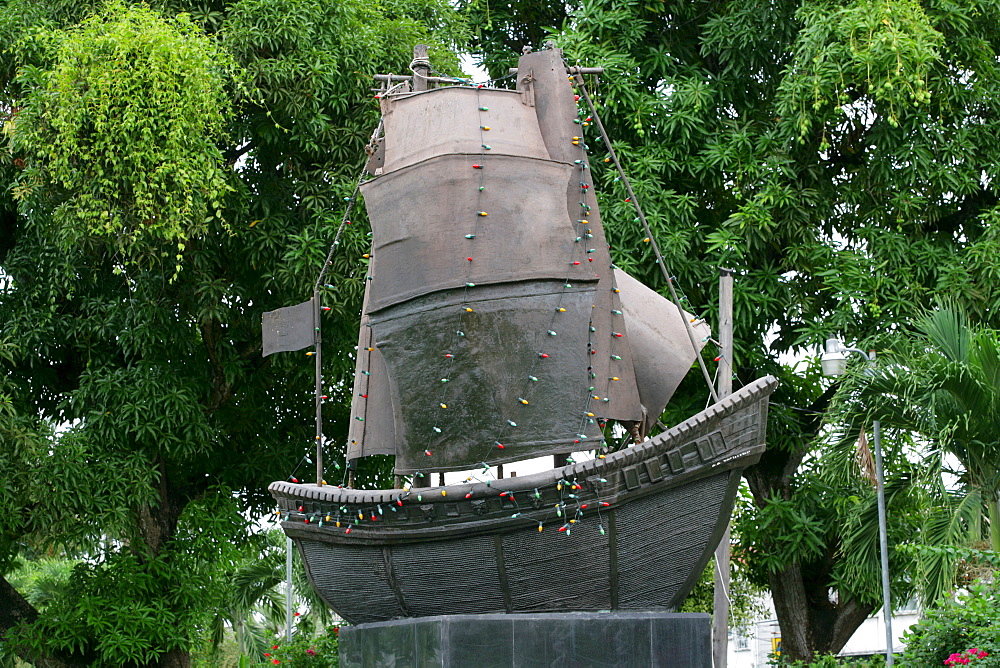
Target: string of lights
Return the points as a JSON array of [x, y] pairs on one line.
[[568, 508]]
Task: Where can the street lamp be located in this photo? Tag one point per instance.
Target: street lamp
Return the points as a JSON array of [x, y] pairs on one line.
[[834, 363], [833, 360]]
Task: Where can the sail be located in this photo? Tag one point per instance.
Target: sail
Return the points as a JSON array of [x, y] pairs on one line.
[[373, 424], [661, 348], [494, 327]]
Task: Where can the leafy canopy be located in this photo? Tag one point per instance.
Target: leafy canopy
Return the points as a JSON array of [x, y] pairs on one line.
[[120, 134]]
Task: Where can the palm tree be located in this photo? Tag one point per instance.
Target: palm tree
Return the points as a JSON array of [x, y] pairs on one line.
[[941, 387], [253, 605]]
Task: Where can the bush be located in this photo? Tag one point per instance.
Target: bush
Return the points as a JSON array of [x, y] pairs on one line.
[[317, 651], [831, 661], [966, 621]]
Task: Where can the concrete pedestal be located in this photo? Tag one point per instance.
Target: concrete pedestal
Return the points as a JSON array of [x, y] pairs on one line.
[[567, 640]]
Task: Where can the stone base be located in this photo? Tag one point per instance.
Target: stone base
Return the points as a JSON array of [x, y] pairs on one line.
[[569, 639]]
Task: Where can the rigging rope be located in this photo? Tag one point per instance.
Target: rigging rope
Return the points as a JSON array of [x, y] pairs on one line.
[[578, 79], [350, 205]]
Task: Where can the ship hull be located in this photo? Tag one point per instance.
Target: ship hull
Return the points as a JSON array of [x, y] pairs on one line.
[[633, 530]]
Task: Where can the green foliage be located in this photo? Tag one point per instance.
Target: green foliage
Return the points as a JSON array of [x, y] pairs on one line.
[[180, 169], [868, 49], [43, 581], [831, 661], [252, 602], [937, 384], [305, 650], [841, 158], [130, 607], [745, 597], [965, 621], [125, 78]]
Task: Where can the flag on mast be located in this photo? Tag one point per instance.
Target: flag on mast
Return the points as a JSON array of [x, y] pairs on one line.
[[289, 328]]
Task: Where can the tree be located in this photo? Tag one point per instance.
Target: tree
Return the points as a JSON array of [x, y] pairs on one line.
[[841, 158], [167, 178], [253, 604], [939, 384]]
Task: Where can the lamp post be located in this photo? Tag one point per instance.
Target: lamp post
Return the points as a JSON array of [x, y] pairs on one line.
[[834, 363]]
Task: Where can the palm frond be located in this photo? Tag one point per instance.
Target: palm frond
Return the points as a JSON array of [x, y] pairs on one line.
[[947, 329], [948, 526]]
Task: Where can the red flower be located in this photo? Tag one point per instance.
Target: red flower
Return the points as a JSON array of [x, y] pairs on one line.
[[274, 647], [311, 652], [275, 662], [266, 654]]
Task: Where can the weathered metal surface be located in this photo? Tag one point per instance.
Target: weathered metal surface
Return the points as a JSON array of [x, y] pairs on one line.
[[662, 353], [373, 420], [489, 396], [289, 328], [555, 109], [449, 120], [422, 214], [513, 329], [668, 502]]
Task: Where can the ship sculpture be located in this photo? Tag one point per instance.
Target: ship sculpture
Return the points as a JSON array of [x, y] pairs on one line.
[[496, 329]]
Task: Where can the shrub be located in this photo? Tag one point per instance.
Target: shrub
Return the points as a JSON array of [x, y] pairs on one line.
[[320, 651], [966, 621], [831, 661]]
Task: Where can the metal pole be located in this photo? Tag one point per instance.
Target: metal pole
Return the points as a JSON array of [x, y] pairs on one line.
[[319, 388], [288, 589], [883, 540], [720, 620]]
